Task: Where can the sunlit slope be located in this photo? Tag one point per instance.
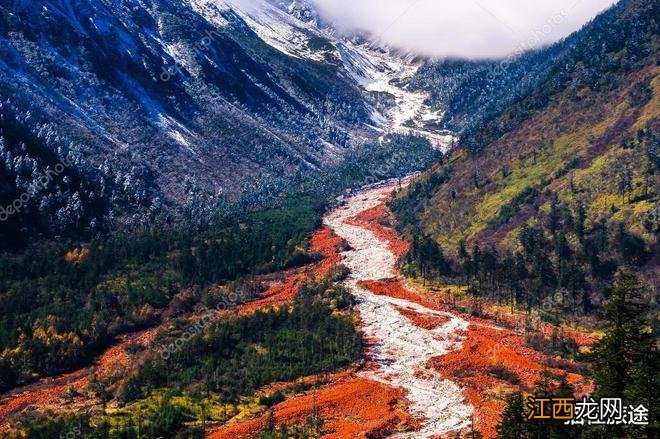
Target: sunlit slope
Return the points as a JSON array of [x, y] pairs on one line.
[[586, 138]]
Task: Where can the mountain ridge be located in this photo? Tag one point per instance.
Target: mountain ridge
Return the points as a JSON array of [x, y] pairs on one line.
[[566, 175], [172, 105]]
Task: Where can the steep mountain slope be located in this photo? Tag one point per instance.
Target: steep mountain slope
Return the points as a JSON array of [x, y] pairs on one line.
[[567, 174], [471, 92], [155, 95], [383, 72], [147, 108], [468, 91]]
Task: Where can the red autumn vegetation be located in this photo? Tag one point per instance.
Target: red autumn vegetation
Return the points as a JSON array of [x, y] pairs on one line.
[[371, 220], [48, 392], [323, 242], [491, 362], [421, 320], [350, 408], [327, 244]]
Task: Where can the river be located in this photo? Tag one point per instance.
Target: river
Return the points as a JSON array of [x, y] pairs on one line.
[[399, 349]]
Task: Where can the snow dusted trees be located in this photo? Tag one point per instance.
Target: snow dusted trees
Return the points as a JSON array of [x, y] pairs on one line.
[[48, 188]]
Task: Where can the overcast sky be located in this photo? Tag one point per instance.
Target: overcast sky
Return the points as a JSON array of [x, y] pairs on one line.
[[464, 28]]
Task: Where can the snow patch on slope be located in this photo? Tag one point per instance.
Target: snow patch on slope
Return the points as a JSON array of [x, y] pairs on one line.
[[177, 132], [212, 10], [379, 71], [277, 25], [294, 29]]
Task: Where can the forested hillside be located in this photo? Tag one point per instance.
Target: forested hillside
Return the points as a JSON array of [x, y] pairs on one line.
[[550, 205], [61, 305], [470, 93], [560, 189], [214, 376]]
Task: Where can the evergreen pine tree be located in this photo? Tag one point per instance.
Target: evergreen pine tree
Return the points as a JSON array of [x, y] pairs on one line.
[[513, 424], [626, 360]]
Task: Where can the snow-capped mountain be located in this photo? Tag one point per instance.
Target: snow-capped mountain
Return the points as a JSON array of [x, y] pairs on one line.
[[297, 29], [159, 102], [292, 28]]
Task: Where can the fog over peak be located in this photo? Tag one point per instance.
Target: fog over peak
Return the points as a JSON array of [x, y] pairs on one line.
[[463, 28]]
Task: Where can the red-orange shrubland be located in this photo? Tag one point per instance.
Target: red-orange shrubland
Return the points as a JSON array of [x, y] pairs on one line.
[[370, 220], [490, 362], [421, 320], [324, 242], [350, 408], [48, 392], [327, 243]]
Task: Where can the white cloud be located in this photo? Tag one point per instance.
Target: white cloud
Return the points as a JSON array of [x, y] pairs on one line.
[[463, 28]]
